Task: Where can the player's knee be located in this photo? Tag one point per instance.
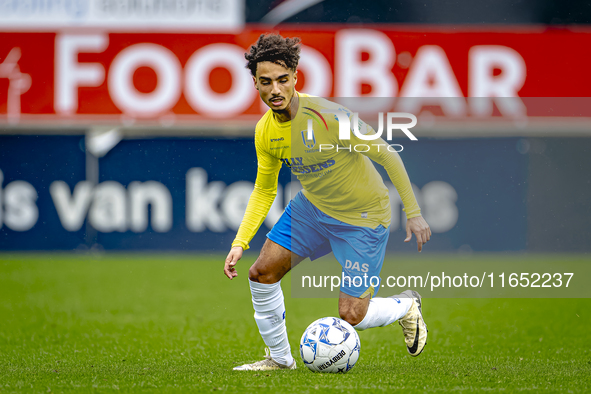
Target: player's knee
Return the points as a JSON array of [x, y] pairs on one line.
[[253, 273], [256, 274], [352, 316]]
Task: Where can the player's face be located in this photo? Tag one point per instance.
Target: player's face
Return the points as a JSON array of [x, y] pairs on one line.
[[276, 85]]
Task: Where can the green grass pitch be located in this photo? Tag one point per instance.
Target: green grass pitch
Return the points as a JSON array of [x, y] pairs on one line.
[[174, 323]]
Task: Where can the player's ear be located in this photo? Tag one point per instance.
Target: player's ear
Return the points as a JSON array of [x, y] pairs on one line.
[[295, 77], [254, 80]]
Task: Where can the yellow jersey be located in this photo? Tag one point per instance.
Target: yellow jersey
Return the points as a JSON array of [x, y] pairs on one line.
[[337, 175]]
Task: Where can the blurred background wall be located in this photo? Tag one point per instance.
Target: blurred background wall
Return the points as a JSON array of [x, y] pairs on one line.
[[546, 12], [129, 125]]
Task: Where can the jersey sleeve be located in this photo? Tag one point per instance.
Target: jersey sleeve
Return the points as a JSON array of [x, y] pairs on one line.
[[262, 197], [394, 166]]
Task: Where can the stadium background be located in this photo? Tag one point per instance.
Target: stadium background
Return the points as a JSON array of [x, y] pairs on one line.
[[133, 141], [130, 130]]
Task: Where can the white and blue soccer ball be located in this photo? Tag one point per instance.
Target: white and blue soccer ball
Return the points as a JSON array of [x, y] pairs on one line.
[[330, 345]]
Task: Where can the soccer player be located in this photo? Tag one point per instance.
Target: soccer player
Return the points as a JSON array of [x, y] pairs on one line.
[[344, 207]]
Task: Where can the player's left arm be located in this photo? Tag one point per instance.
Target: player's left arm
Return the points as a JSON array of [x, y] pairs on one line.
[[391, 161]]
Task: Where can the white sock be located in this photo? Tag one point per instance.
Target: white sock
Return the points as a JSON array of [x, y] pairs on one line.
[[269, 313], [384, 311]]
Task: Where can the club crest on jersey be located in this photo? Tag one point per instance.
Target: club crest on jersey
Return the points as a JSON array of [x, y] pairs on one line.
[[308, 142]]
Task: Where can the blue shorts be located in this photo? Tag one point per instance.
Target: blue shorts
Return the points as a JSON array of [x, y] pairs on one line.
[[308, 232]]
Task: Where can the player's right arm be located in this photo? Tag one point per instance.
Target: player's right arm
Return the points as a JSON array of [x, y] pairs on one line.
[[259, 204]]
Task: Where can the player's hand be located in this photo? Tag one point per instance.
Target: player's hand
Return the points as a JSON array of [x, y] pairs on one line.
[[233, 257], [419, 227]]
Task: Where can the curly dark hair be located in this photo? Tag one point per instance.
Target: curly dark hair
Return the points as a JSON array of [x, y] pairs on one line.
[[276, 49]]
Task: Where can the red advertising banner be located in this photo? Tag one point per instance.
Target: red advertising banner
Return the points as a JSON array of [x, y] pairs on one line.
[[83, 77]]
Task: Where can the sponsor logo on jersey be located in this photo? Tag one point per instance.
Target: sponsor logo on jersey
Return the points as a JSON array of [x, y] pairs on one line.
[[312, 167], [294, 161], [297, 165]]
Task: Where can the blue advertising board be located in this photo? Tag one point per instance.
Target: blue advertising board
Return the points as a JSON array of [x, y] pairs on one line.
[[189, 194]]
